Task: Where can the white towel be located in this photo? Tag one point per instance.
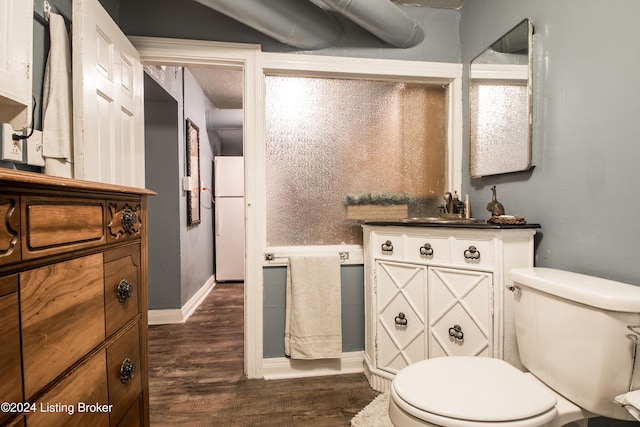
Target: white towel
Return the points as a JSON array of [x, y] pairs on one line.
[[631, 402], [57, 110], [313, 320]]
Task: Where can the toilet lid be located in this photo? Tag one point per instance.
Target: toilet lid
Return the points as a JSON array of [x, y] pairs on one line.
[[472, 388]]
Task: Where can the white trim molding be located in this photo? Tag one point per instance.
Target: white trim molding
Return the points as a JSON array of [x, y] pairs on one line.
[[181, 315], [256, 65], [282, 367]]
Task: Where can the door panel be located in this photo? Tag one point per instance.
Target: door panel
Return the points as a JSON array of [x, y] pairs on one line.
[[400, 314], [460, 315], [108, 100]]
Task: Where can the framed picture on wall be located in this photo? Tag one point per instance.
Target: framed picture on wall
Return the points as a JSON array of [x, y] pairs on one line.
[[193, 170]]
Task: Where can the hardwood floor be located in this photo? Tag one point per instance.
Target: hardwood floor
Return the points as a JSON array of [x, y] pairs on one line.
[[196, 377]]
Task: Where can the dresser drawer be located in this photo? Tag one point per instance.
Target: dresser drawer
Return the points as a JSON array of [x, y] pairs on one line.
[[124, 220], [85, 386], [124, 372], [56, 225], [134, 416], [10, 370], [430, 248], [62, 312], [121, 286], [9, 229], [472, 252], [387, 245]]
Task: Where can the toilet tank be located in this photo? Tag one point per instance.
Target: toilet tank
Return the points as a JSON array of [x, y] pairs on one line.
[[571, 331]]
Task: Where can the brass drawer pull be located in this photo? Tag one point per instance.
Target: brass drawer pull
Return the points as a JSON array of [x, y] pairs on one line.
[[127, 370], [387, 247], [426, 249], [401, 319], [472, 253], [125, 291]]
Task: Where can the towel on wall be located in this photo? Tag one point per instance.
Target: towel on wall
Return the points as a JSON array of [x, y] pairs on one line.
[[631, 402], [313, 319], [57, 109]]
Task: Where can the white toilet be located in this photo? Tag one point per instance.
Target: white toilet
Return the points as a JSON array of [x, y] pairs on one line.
[[573, 337]]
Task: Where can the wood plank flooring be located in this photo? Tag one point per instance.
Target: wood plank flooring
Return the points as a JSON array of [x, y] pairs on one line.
[[196, 377]]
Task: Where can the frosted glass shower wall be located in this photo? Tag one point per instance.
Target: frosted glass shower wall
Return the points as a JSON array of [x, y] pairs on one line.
[[329, 138]]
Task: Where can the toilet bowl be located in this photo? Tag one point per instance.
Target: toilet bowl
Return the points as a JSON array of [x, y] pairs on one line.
[[469, 392], [573, 337]]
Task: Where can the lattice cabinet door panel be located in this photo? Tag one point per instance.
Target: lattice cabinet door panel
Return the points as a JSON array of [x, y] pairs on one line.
[[460, 312], [401, 309]]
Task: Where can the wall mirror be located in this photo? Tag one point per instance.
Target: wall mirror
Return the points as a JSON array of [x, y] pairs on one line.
[[500, 104]]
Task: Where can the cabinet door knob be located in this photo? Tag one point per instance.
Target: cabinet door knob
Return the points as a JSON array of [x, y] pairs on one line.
[[426, 249], [127, 370], [472, 253], [125, 290], [387, 247], [401, 319], [456, 332]]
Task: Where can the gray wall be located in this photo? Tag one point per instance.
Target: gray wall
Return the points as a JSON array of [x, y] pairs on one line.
[[196, 245], [161, 135], [275, 278], [584, 188]]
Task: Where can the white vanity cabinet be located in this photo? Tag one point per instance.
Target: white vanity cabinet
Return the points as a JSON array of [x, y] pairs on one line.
[[433, 291], [16, 28]]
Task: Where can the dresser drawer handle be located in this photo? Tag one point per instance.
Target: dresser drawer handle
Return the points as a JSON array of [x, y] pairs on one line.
[[426, 249], [456, 332], [129, 220], [401, 319], [387, 247], [127, 370], [472, 253], [125, 291]]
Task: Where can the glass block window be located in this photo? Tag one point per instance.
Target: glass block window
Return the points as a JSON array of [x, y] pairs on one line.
[[330, 140]]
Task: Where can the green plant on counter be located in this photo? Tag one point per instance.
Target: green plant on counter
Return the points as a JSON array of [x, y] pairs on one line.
[[376, 199]]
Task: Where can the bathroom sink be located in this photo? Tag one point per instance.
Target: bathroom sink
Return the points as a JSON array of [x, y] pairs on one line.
[[441, 220]]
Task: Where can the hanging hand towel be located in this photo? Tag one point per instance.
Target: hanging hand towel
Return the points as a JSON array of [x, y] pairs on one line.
[[631, 402], [57, 107], [313, 320]]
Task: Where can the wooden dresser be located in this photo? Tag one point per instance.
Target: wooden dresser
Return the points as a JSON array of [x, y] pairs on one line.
[[73, 302]]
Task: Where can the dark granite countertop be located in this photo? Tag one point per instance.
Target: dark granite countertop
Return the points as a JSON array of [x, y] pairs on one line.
[[451, 224]]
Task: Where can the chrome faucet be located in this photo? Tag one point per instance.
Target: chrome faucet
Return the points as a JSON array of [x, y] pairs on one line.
[[453, 205]]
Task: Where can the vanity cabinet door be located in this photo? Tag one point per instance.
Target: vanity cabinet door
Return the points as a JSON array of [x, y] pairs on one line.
[[400, 315], [460, 312]]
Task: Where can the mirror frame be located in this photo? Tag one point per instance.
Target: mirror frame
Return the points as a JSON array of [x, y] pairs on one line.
[[495, 146]]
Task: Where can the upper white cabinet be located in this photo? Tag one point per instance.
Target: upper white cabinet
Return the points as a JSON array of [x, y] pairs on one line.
[[16, 46], [439, 291]]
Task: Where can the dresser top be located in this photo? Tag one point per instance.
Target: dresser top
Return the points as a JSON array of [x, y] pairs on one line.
[[9, 177]]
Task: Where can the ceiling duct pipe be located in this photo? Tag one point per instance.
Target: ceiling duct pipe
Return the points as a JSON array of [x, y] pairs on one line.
[[383, 19], [296, 23], [224, 119]]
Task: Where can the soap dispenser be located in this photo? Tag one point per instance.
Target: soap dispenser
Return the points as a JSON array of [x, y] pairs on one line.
[[467, 206]]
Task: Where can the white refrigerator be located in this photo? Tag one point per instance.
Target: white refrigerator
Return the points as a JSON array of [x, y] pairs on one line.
[[229, 217]]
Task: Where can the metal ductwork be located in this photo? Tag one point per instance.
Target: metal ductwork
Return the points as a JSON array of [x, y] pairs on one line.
[[383, 19], [296, 23], [224, 119], [302, 24]]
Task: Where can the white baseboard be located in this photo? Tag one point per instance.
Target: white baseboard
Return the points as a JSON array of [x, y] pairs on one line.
[[180, 315], [282, 367]]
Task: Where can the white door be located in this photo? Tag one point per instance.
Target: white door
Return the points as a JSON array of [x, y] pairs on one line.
[[108, 100]]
